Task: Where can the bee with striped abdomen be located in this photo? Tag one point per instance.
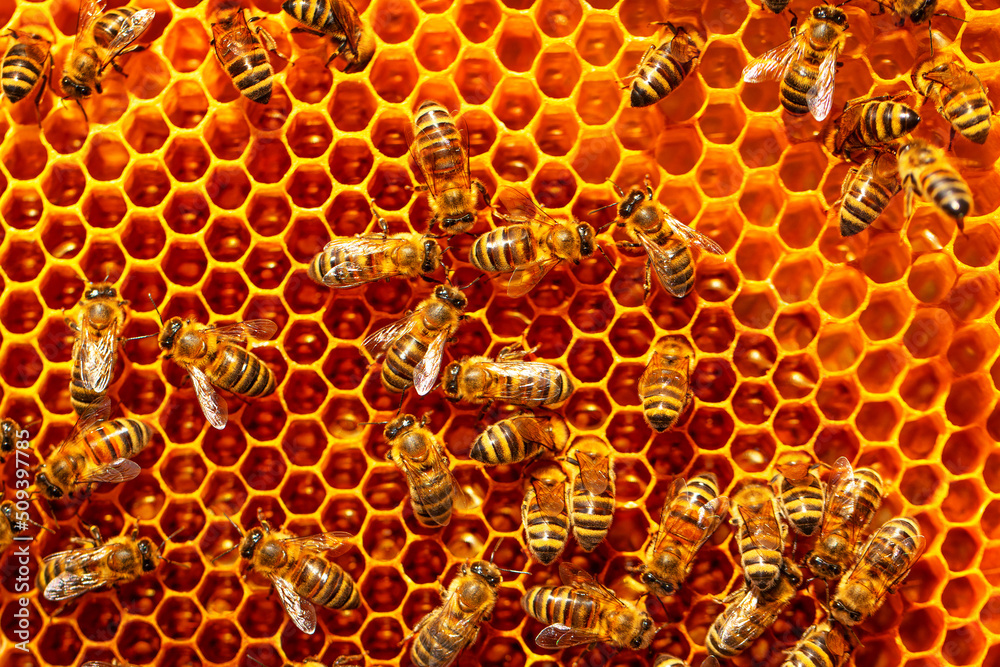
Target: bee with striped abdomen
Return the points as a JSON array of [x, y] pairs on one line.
[[958, 94], [69, 574], [443, 160], [852, 498], [761, 536], [592, 490], [341, 661], [866, 192], [242, 51], [100, 39], [664, 660], [212, 356], [532, 247], [414, 345], [98, 326], [749, 612], [799, 492], [666, 240], [691, 513], [454, 626], [582, 611], [339, 20], [663, 386], [509, 379], [806, 64], [97, 450], [544, 511], [884, 562], [663, 68], [870, 122], [822, 645], [298, 572], [350, 261], [11, 433], [28, 60], [926, 173], [517, 439], [422, 458]]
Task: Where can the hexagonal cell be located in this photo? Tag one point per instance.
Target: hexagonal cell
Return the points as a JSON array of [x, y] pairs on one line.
[[24, 155], [795, 376], [763, 143], [591, 360], [711, 428], [877, 420], [795, 424], [755, 306], [309, 187], [929, 333], [185, 104], [599, 40], [268, 160], [885, 315], [721, 65], [558, 71], [437, 45], [352, 106], [977, 247], [186, 45], [63, 236], [974, 295], [839, 346], [969, 399], [931, 277], [106, 158], [394, 75], [722, 120], [678, 150], [752, 451], [187, 158], [146, 183], [65, 130], [753, 402], [762, 199], [802, 167], [516, 102], [227, 133], [145, 130], [101, 259], [59, 644], [219, 640], [754, 355], [62, 185], [965, 450]]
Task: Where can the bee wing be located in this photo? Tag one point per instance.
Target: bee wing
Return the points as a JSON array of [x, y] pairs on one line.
[[361, 247], [96, 413], [97, 356], [129, 32], [89, 11], [523, 279], [950, 78], [527, 371], [583, 580], [334, 542], [249, 330], [558, 636], [759, 523], [661, 263], [881, 551], [531, 429], [520, 206], [302, 612], [593, 472], [750, 615], [425, 373], [669, 523], [551, 499], [81, 573], [214, 408], [119, 470], [692, 237], [772, 64], [347, 17], [420, 480], [840, 505], [820, 96], [657, 373], [377, 342]]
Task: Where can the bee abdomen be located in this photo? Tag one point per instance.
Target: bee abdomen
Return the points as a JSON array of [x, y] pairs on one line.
[[591, 516], [550, 385], [316, 14], [116, 439], [728, 644], [81, 396], [795, 86], [969, 114], [812, 653], [662, 403], [504, 249], [326, 584], [656, 79], [681, 262], [546, 533], [432, 646], [438, 140], [560, 604], [400, 362], [804, 506], [252, 75], [21, 68], [764, 570], [947, 189], [110, 24], [241, 372], [866, 201], [885, 121], [499, 444], [435, 505]]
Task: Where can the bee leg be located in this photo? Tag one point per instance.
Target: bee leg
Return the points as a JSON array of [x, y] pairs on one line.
[[647, 281], [336, 52], [301, 29], [793, 26], [951, 139], [269, 42], [41, 91], [114, 62]]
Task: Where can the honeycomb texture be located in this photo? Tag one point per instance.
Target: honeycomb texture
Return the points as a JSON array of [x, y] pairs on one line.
[[880, 347]]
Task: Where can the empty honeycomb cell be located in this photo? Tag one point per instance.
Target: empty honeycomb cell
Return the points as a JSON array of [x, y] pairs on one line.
[[721, 65], [59, 644], [556, 132], [596, 158], [960, 548], [186, 212], [762, 199], [923, 385], [65, 130], [839, 347], [599, 40], [975, 295], [146, 183], [886, 260], [718, 174], [755, 354], [24, 156], [227, 134], [967, 400], [266, 266], [711, 428], [796, 327], [267, 161], [273, 115], [722, 121], [186, 45], [393, 75], [716, 282], [185, 104], [185, 263], [437, 45], [146, 131], [753, 402], [971, 348], [796, 276], [99, 619], [183, 471], [842, 291], [886, 314], [229, 186], [931, 277], [795, 376], [554, 185], [678, 150], [630, 335], [755, 306], [383, 589], [503, 510], [963, 597], [929, 333], [351, 161], [104, 207], [55, 340], [388, 134], [106, 158], [143, 237], [352, 106], [390, 187], [62, 185], [752, 451], [178, 618], [54, 392], [310, 80], [63, 236], [622, 384], [101, 260], [269, 211], [219, 640], [762, 144], [964, 451], [713, 380], [516, 103], [591, 360], [795, 424], [713, 330], [920, 629], [876, 420], [588, 409], [880, 368], [227, 239]]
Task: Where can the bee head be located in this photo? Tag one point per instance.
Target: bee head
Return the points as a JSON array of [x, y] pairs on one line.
[[449, 383], [629, 204], [792, 573], [147, 551], [645, 634], [830, 13], [488, 571], [6, 437], [7, 510], [586, 234], [658, 586], [399, 425], [923, 11], [843, 614], [48, 489], [169, 332], [74, 89], [432, 256], [821, 566], [451, 296], [250, 543]]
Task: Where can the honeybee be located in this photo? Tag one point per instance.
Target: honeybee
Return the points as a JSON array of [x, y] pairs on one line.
[[509, 379], [100, 39], [666, 240], [823, 645], [544, 512], [443, 162], [582, 611], [761, 536], [885, 561], [424, 461], [592, 490], [13, 522], [805, 64], [341, 661], [28, 59], [211, 356], [958, 94], [749, 612], [352, 261], [691, 513], [664, 660], [242, 51], [517, 439], [663, 386], [799, 491], [663, 68], [926, 173], [338, 19], [866, 192], [97, 450], [10, 433], [414, 346], [529, 250], [869, 122], [69, 574], [852, 498], [98, 326], [454, 626], [298, 572]]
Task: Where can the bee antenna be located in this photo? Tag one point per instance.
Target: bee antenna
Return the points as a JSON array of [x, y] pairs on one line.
[[495, 549], [168, 538], [238, 529], [465, 287], [155, 308], [598, 210], [612, 264], [226, 552], [375, 423], [503, 569], [250, 657], [131, 338]]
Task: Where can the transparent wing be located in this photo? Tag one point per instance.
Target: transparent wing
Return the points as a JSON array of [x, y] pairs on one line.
[[302, 612], [532, 429], [119, 470], [759, 523], [520, 206], [820, 96], [358, 248], [668, 523], [425, 373], [334, 542], [889, 554], [92, 416], [772, 64], [82, 572], [249, 330], [129, 32], [593, 472], [422, 479], [215, 409], [558, 636], [89, 11], [583, 580], [841, 501], [691, 237], [950, 78], [527, 373], [658, 374], [377, 342], [347, 17], [97, 357], [551, 497], [749, 617], [661, 264], [524, 279]]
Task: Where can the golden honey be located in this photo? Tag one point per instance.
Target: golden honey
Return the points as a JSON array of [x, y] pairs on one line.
[[880, 347]]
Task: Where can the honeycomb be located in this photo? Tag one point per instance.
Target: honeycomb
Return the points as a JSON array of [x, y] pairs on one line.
[[879, 347]]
